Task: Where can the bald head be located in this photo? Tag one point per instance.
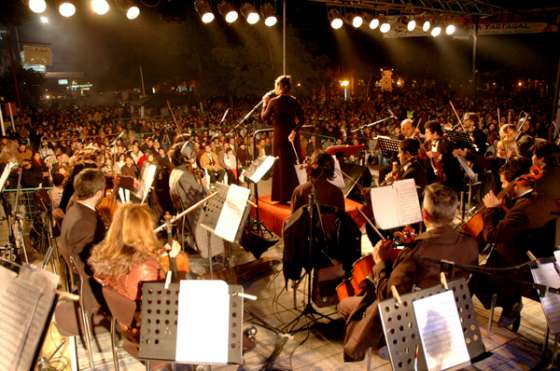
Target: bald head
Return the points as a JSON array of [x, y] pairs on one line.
[[407, 128]]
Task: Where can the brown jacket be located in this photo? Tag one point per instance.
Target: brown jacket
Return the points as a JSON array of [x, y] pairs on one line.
[[410, 269]]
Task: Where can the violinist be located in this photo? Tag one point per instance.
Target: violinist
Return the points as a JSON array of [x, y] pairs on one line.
[[410, 167], [527, 225], [409, 269], [407, 129]]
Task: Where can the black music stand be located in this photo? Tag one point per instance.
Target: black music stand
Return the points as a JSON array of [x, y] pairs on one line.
[[388, 148], [254, 173], [214, 210], [401, 329], [159, 316]]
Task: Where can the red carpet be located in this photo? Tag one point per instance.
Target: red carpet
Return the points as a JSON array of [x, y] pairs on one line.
[[272, 215]]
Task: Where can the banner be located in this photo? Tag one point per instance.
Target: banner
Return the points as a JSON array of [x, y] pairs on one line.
[[34, 54]]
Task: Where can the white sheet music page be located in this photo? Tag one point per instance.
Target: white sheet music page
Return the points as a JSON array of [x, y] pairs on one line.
[[548, 274], [384, 204], [232, 212], [263, 168], [203, 322], [441, 334], [407, 202]]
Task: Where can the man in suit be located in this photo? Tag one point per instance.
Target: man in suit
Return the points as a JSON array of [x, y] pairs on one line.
[[410, 167], [81, 227], [445, 165], [410, 268], [210, 162]]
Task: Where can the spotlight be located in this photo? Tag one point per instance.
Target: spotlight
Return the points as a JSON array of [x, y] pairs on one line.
[[37, 6], [385, 27], [228, 11], [67, 9], [44, 20], [250, 13], [269, 15], [133, 12], [357, 21], [335, 19], [411, 25], [436, 31], [374, 23], [204, 11], [426, 26], [100, 7], [450, 29]]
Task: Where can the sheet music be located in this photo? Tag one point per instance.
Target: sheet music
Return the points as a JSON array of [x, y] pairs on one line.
[[25, 304], [148, 176], [548, 274], [203, 322], [396, 205], [441, 334], [5, 174], [262, 169], [232, 212], [408, 203]]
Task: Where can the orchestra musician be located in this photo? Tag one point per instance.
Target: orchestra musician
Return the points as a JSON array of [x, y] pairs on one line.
[[527, 225], [546, 158], [440, 241], [410, 167], [407, 129], [440, 152], [286, 115]]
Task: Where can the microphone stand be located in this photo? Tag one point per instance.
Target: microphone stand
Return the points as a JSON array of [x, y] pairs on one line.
[[372, 124], [183, 213]]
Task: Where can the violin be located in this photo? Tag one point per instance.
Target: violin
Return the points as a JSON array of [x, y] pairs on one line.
[[173, 259], [109, 204]]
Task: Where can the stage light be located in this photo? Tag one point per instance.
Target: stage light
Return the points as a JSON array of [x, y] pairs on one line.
[[269, 15], [100, 7], [335, 19], [357, 21], [37, 6], [426, 26], [374, 23], [133, 12], [250, 13], [43, 19], [385, 27], [228, 11], [411, 25], [450, 29], [67, 9], [344, 83], [204, 10], [436, 31]]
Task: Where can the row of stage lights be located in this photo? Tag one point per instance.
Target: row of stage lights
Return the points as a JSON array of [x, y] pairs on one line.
[[230, 14], [357, 20], [68, 9]]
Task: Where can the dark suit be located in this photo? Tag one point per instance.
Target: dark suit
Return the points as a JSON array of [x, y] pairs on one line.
[[81, 231], [528, 225], [415, 170], [363, 326]]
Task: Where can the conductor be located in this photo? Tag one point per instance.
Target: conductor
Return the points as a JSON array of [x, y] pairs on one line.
[[286, 115]]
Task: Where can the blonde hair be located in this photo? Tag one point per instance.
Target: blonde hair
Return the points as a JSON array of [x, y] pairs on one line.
[[507, 149], [130, 240]]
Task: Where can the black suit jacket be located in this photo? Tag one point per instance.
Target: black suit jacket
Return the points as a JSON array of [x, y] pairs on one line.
[[415, 170]]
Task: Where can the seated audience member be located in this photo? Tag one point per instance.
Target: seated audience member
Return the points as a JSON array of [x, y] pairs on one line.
[[410, 268]]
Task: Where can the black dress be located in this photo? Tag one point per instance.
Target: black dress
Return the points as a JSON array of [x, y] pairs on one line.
[[283, 111]]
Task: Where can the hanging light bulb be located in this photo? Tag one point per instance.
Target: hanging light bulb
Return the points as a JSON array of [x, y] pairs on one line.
[[357, 21], [436, 31], [228, 11], [37, 6], [269, 15], [100, 7], [385, 27], [411, 25], [250, 13], [204, 10], [450, 29], [374, 23], [133, 12], [335, 19], [426, 26]]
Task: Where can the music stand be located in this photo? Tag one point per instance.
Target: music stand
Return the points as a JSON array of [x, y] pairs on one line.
[[224, 217], [254, 173], [401, 330], [159, 316], [386, 144], [460, 139]]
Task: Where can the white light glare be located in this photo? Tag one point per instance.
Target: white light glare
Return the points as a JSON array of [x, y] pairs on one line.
[[231, 16], [374, 23], [270, 21], [253, 18], [450, 29], [44, 20], [133, 12], [67, 9], [357, 21], [426, 26], [411, 25], [100, 7], [37, 6], [207, 17], [385, 27], [436, 31], [336, 23]]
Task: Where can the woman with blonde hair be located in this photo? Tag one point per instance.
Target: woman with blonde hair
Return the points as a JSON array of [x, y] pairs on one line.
[[130, 253]]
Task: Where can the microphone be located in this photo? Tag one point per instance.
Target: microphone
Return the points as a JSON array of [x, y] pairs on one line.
[[271, 93], [224, 116], [392, 114]]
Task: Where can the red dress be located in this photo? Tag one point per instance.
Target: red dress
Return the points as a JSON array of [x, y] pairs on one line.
[[283, 111]]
